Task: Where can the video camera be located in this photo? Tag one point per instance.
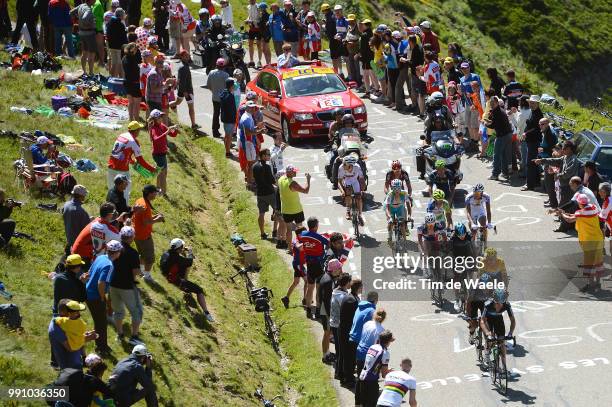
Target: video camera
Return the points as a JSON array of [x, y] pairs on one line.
[[13, 202]]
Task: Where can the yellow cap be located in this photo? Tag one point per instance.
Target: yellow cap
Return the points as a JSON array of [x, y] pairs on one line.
[[135, 125], [449, 60], [75, 306], [325, 7], [351, 17], [366, 21], [74, 260]]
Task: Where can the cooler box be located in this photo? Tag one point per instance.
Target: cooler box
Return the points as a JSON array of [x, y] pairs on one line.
[[58, 101], [115, 85], [197, 59], [248, 254]]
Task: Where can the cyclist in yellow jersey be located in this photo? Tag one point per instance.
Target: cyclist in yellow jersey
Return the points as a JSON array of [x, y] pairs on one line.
[[494, 266]]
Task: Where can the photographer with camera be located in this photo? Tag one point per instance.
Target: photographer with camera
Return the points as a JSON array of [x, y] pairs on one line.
[[175, 264], [128, 374], [7, 226]]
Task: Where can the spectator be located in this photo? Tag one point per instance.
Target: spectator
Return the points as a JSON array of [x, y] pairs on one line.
[[253, 32], [290, 29], [403, 73], [418, 88], [126, 146], [366, 56], [188, 25], [275, 25], [369, 336], [59, 16], [472, 116], [174, 30], [134, 12], [549, 142], [131, 372], [325, 290], [175, 265], [524, 114], [70, 283], [291, 207], [299, 268], [216, 84], [210, 6], [185, 88], [365, 310], [315, 246], [117, 38], [497, 83], [266, 199], [604, 195], [227, 16], [351, 43], [376, 365], [159, 133], [147, 65], [143, 225], [513, 91], [161, 14], [287, 59], [7, 225], [452, 74], [155, 86], [279, 226], [276, 154], [591, 178], [533, 138], [247, 139], [130, 64], [93, 238], [38, 156], [64, 355], [498, 120], [75, 216], [116, 195], [100, 274], [228, 114], [348, 308], [87, 33], [98, 11], [123, 290], [26, 14], [338, 295], [397, 384], [429, 37], [264, 31]]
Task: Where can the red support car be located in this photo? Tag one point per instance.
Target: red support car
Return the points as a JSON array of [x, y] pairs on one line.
[[298, 101]]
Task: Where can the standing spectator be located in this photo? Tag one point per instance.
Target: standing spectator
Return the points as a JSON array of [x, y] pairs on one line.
[[247, 140], [59, 17], [369, 336], [253, 33], [143, 225], [276, 154], [456, 106], [7, 225], [326, 287], [131, 372], [315, 247], [161, 15], [155, 85], [290, 28], [546, 149], [130, 64], [87, 33], [174, 30], [98, 11], [228, 114], [116, 196], [472, 119], [265, 182], [65, 355], [605, 191], [397, 384], [302, 25], [313, 39], [275, 25], [75, 216], [175, 265], [123, 290], [338, 295], [498, 120], [429, 37], [376, 365], [524, 114], [348, 307], [533, 138], [70, 283], [417, 88], [159, 133], [216, 84], [366, 56], [126, 146], [5, 21], [134, 12], [185, 88], [93, 238], [188, 25], [364, 313], [351, 43], [592, 179], [403, 77], [26, 14], [264, 31], [291, 207], [341, 31], [497, 83], [227, 16], [432, 75], [513, 91], [97, 289], [117, 38], [452, 74]]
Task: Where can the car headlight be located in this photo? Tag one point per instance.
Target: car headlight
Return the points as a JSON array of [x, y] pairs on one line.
[[302, 116], [360, 109]]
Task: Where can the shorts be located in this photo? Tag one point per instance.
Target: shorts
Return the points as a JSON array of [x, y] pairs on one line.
[[188, 96], [254, 33], [293, 217], [154, 105], [161, 160], [249, 152], [264, 202], [475, 306], [353, 184], [132, 89], [365, 65], [477, 217], [497, 325], [324, 319], [189, 287], [88, 43], [418, 86], [146, 249], [229, 128], [336, 49], [471, 118], [314, 272], [299, 271], [115, 56], [130, 298], [398, 213]]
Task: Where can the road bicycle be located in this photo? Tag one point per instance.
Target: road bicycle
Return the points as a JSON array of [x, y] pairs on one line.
[[438, 273], [498, 371], [267, 403], [244, 272], [480, 242], [354, 212], [260, 297], [476, 338], [399, 242]]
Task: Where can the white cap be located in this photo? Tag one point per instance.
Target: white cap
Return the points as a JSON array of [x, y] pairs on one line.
[[310, 14], [114, 246], [203, 11], [147, 22], [43, 140], [115, 3], [534, 98], [92, 359], [176, 243], [155, 114], [127, 231], [140, 350], [79, 190], [425, 24], [337, 7], [396, 34]]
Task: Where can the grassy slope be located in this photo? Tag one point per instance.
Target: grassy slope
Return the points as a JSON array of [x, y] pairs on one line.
[[196, 364]]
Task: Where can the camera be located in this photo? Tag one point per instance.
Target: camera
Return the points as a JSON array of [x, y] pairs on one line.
[[13, 202]]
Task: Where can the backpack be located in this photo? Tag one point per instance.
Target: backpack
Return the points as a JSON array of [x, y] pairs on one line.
[[65, 183], [10, 316]]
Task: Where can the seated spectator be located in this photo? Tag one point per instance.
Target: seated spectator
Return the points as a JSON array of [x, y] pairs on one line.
[[101, 394], [128, 374], [175, 264], [37, 149], [7, 225]]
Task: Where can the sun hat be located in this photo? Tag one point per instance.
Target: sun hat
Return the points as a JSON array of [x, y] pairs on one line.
[[75, 306], [127, 231], [74, 260], [135, 125], [114, 246], [534, 98]]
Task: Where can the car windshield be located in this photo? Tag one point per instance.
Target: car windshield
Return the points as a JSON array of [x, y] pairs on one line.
[[584, 148], [604, 159], [313, 85]]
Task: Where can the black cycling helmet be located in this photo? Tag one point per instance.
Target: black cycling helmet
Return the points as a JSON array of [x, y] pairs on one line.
[[348, 117], [337, 112]]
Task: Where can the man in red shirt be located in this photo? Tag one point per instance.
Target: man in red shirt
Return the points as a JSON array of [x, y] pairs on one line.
[[143, 226], [429, 37], [159, 133], [126, 148]]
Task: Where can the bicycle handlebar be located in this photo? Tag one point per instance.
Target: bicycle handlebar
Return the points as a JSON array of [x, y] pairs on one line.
[[503, 338]]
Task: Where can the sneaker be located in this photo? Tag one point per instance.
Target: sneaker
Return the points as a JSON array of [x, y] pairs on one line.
[[209, 317], [264, 236], [285, 302], [361, 222], [135, 340], [308, 313], [148, 277]]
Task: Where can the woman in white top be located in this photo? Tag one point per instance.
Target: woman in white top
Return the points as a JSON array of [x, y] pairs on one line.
[[524, 113]]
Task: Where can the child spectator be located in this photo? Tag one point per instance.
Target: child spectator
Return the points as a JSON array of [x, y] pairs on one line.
[[159, 132], [299, 268], [314, 37]]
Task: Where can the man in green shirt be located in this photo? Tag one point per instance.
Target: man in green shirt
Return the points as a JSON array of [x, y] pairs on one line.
[[98, 10], [291, 207]]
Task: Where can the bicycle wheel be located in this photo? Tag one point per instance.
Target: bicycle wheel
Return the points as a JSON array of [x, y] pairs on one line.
[[355, 219], [493, 365], [478, 345], [502, 375], [271, 331]]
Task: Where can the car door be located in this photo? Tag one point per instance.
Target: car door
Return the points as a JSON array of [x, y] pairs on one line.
[[266, 82]]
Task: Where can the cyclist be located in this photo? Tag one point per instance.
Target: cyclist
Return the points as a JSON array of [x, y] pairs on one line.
[[492, 321], [429, 233], [397, 172], [478, 210], [351, 183], [475, 302], [397, 204], [440, 208], [494, 266], [443, 179], [461, 248]]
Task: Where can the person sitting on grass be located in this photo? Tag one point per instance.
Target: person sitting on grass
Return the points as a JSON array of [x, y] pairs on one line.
[[175, 264]]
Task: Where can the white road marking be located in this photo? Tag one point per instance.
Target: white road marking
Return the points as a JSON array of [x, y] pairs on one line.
[[516, 195], [509, 209]]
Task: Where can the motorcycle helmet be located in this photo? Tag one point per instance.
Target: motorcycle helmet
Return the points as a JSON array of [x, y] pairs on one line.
[[500, 296], [440, 164], [396, 184], [348, 117], [220, 62], [460, 229], [337, 112], [203, 11], [396, 165], [430, 218], [438, 195], [478, 188], [216, 18]]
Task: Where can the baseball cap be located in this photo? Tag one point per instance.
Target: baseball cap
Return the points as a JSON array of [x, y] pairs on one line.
[[290, 168], [310, 14], [43, 140], [396, 34], [92, 359], [465, 65], [127, 231], [250, 103], [140, 350], [147, 22], [325, 7], [250, 95], [582, 199], [74, 260], [449, 60], [75, 306], [145, 53], [79, 190], [337, 7], [203, 11], [135, 125], [381, 28], [288, 2], [152, 40], [220, 62], [534, 98], [156, 114], [334, 265], [366, 21], [114, 246], [425, 24], [351, 17], [176, 243]]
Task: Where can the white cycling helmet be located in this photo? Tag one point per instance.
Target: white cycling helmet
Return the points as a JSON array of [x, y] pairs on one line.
[[350, 159], [396, 184], [479, 188], [430, 218], [437, 96]]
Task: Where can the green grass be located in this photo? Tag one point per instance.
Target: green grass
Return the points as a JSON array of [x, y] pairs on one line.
[[196, 363]]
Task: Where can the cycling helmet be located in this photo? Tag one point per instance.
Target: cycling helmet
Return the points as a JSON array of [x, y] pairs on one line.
[[250, 95], [430, 218], [479, 188], [348, 117], [500, 296], [337, 111], [350, 159], [437, 96], [440, 164], [396, 184], [460, 229], [396, 165], [490, 252], [438, 194], [203, 11], [216, 17], [485, 278]]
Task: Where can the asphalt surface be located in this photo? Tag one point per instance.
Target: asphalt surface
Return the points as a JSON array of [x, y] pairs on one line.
[[563, 355]]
